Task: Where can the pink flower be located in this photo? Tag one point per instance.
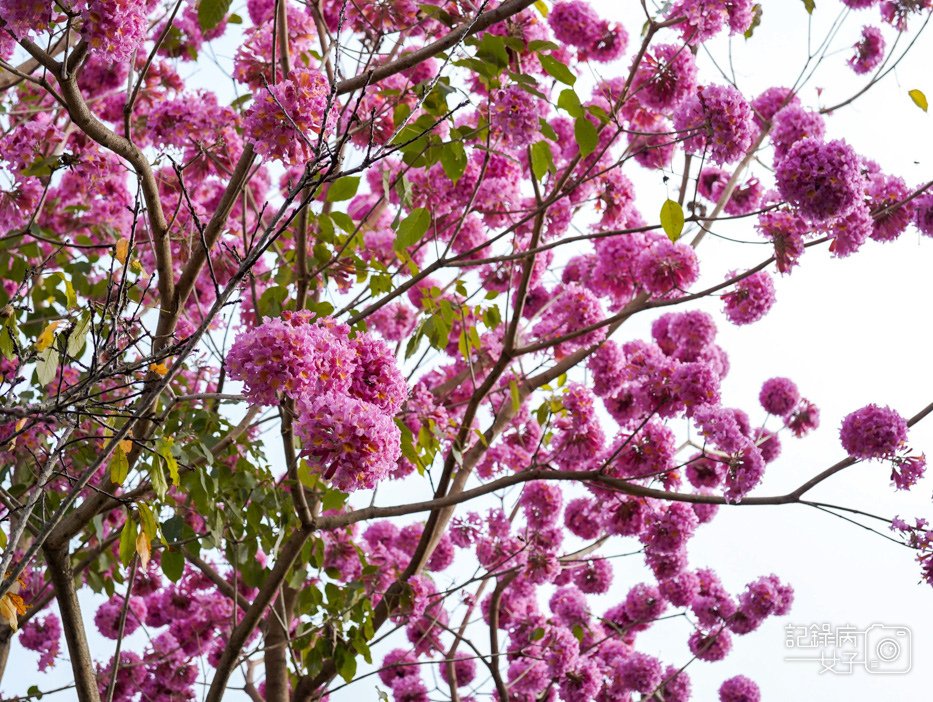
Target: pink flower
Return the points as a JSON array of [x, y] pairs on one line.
[[750, 300], [44, 637], [376, 377], [822, 180], [869, 51], [292, 356], [779, 396], [716, 119], [513, 116], [115, 28], [666, 267], [665, 77], [350, 442], [907, 471], [739, 689], [873, 432], [287, 118]]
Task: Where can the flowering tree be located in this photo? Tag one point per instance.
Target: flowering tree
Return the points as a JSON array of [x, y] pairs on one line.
[[402, 249]]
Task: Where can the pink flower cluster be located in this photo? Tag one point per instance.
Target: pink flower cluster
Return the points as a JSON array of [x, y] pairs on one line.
[[575, 23], [115, 28], [869, 51], [346, 393], [873, 432], [287, 119], [718, 119]]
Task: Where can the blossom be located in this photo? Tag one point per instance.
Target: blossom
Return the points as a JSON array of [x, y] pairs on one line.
[[640, 672], [43, 636], [376, 377], [594, 576], [665, 77], [464, 671], [513, 116], [716, 118], [890, 213], [907, 471], [739, 689], [923, 213], [575, 23], [115, 27], [710, 647], [786, 230], [292, 356], [873, 432], [851, 231], [398, 664], [284, 119], [350, 442], [108, 616], [750, 300], [869, 51], [823, 180], [670, 529], [667, 266], [803, 419], [791, 124], [779, 396], [766, 105], [541, 502]]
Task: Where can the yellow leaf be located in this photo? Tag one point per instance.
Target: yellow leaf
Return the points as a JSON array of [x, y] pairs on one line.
[[47, 336], [123, 250], [11, 606], [920, 100], [542, 8], [159, 369], [143, 548], [126, 445]]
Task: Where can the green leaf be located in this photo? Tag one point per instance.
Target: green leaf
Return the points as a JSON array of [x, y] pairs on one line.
[[346, 664], [920, 100], [542, 160], [157, 478], [147, 520], [164, 449], [412, 228], [453, 160], [556, 69], [46, 365], [119, 465], [541, 7], [70, 297], [516, 396], [343, 188], [672, 219], [173, 564], [212, 12], [586, 135], [128, 540], [537, 634], [809, 5], [491, 49], [334, 499], [3, 539], [8, 334], [569, 102], [78, 335]]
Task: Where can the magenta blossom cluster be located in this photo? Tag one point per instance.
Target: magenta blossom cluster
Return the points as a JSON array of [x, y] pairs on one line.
[[869, 51], [873, 432], [576, 23], [287, 119], [346, 392]]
